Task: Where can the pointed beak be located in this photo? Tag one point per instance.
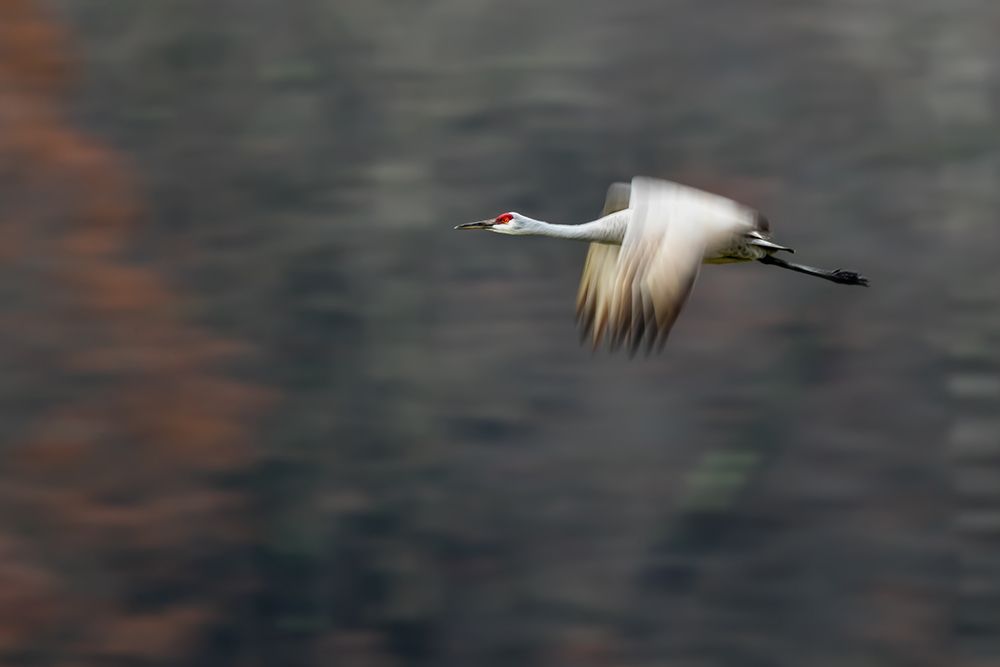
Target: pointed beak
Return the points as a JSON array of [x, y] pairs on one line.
[[479, 224]]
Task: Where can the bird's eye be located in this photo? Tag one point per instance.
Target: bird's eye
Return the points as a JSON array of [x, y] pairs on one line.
[[501, 219]]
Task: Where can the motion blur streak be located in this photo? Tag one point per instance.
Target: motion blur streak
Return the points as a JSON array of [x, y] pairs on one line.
[[261, 405], [120, 427]]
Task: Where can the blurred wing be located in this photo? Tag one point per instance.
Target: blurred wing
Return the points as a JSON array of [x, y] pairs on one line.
[[664, 245], [599, 270]]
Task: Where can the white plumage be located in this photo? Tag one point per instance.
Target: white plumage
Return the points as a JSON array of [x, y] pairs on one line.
[[646, 251]]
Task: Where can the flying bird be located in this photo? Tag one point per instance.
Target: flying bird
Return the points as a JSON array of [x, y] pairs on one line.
[[645, 253]]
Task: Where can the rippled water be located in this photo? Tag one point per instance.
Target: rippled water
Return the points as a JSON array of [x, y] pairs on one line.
[[278, 410]]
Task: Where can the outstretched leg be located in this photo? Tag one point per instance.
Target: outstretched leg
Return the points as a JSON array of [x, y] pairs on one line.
[[837, 276]]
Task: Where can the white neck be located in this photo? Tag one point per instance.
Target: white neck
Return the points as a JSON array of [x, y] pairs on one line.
[[609, 229]]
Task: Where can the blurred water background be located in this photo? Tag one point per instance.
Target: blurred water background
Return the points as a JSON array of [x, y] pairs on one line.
[[262, 406]]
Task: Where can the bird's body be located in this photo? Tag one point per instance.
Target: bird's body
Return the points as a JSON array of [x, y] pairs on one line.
[[646, 251]]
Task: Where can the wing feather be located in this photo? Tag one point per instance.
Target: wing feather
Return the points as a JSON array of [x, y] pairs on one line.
[[599, 270], [634, 295]]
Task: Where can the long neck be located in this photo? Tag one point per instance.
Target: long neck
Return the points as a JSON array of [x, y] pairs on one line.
[[609, 229]]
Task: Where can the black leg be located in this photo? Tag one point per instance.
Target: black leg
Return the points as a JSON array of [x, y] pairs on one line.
[[836, 276]]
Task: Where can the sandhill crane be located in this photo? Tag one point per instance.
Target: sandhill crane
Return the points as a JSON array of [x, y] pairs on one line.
[[646, 251]]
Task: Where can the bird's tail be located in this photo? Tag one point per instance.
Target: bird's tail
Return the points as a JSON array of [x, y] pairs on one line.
[[758, 239]]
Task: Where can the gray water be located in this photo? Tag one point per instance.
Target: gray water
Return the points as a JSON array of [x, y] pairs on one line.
[[350, 435]]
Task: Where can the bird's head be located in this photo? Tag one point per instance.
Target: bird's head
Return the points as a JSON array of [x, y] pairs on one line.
[[505, 223]]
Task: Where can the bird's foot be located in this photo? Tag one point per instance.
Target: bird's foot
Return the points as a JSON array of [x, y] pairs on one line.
[[848, 278]]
